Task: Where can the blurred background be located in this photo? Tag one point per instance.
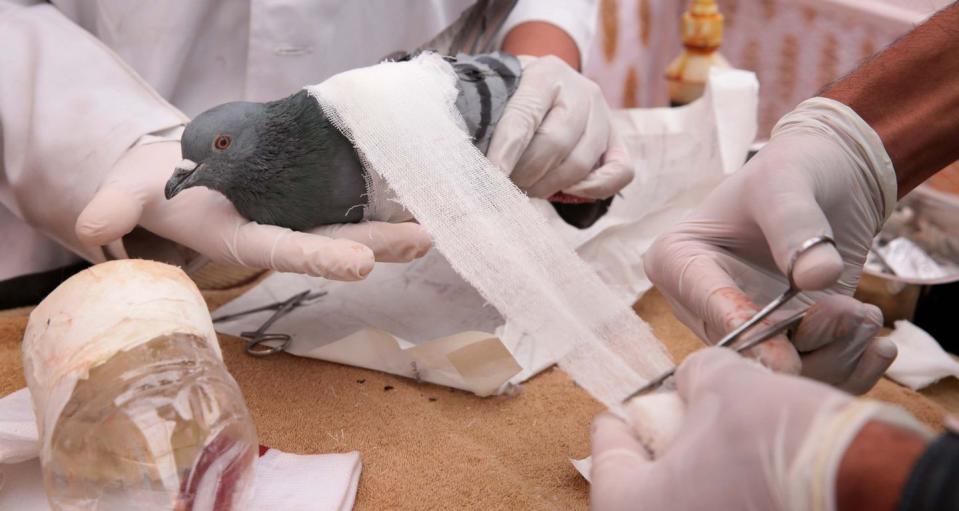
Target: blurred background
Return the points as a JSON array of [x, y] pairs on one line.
[[794, 46]]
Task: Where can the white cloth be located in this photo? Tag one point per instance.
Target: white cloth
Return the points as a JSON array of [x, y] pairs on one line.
[[921, 360], [293, 482], [89, 78], [19, 438], [390, 330]]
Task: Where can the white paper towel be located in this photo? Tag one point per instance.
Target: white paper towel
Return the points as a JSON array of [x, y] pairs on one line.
[[921, 360]]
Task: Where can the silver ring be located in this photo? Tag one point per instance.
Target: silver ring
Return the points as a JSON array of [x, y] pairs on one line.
[[806, 245]]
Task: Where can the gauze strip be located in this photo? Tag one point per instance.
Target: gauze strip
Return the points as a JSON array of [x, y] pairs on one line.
[[401, 116]]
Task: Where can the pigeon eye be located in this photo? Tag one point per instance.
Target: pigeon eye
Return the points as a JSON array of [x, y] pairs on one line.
[[222, 142]]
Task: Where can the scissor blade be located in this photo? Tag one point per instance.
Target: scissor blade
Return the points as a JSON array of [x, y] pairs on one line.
[[759, 337], [770, 331], [262, 308], [301, 298], [652, 385]]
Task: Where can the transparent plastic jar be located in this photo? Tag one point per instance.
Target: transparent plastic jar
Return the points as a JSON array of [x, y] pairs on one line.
[[135, 407], [161, 426]]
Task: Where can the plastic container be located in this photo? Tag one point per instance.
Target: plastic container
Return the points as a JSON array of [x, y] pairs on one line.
[[135, 407]]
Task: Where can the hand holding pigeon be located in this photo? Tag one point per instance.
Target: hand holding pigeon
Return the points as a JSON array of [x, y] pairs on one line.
[[206, 222]]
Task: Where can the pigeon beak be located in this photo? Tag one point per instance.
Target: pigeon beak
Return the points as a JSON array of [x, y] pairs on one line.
[[183, 177]]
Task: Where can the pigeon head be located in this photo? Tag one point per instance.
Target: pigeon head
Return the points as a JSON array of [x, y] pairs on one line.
[[279, 163], [216, 147]]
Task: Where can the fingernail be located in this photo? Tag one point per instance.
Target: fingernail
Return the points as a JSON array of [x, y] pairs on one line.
[[818, 268], [873, 314], [885, 348], [866, 330]]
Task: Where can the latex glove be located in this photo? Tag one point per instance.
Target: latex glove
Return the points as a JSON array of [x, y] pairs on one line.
[[750, 439], [824, 172], [207, 222], [556, 134]]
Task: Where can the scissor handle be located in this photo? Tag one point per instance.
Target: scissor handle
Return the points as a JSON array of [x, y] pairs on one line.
[[257, 347], [806, 245], [787, 295]]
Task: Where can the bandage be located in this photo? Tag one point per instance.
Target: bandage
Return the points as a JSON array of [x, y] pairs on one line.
[[402, 119]]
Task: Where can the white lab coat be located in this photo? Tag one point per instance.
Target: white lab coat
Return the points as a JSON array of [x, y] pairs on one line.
[[81, 81]]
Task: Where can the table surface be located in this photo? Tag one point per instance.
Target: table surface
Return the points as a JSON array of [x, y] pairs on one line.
[[429, 447]]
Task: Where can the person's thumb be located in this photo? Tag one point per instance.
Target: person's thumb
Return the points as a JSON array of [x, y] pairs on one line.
[[711, 370], [837, 339], [789, 218], [112, 213], [879, 354], [391, 243], [523, 115], [280, 249], [620, 465]]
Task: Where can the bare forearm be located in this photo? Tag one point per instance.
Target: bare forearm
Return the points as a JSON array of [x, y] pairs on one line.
[[875, 467], [910, 95], [538, 38]]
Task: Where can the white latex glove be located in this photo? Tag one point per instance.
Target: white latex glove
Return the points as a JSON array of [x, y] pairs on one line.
[[750, 439], [205, 221], [556, 134], [824, 172]]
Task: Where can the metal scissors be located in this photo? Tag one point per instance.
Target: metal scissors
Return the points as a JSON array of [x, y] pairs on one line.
[[766, 333], [260, 343]]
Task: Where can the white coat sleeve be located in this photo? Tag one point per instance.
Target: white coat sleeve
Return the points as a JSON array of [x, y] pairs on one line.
[[576, 17], [69, 108]]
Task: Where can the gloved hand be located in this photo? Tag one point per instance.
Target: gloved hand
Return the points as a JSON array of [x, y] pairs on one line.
[[824, 172], [207, 222], [750, 439], [556, 135]]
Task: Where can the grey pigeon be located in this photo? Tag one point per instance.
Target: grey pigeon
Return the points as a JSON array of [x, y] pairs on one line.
[[283, 163], [338, 195]]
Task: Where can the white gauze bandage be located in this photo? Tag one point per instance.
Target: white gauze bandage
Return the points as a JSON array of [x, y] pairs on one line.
[[402, 119]]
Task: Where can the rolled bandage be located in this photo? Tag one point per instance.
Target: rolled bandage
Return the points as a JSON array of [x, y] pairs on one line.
[[655, 419]]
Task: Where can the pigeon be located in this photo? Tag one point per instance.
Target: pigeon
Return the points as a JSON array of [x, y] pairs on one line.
[[284, 163], [239, 148]]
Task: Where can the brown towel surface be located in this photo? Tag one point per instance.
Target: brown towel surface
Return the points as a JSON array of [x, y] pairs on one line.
[[428, 447]]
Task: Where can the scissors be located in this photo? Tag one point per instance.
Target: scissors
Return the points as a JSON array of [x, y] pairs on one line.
[[260, 343], [766, 333]]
